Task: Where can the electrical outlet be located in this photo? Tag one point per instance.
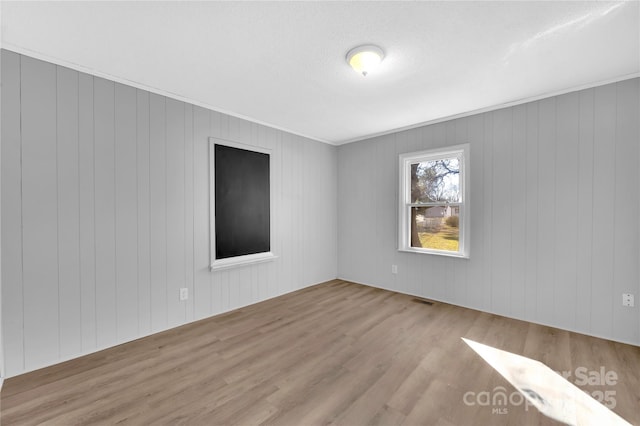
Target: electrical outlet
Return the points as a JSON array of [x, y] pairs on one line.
[[184, 293], [394, 269], [627, 300]]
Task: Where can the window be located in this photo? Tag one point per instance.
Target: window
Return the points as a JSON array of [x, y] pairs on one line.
[[434, 201], [240, 204]]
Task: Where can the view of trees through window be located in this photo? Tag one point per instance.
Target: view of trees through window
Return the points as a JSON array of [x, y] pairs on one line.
[[435, 199]]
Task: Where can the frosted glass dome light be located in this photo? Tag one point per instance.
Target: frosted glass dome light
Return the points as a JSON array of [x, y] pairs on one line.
[[365, 58]]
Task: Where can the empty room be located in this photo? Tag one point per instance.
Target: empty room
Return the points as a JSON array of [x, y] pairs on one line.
[[321, 212]]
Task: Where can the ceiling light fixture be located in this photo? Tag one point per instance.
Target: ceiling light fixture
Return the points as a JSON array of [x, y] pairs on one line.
[[365, 58]]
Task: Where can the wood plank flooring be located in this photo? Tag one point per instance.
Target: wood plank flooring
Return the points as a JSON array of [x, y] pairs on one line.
[[336, 353]]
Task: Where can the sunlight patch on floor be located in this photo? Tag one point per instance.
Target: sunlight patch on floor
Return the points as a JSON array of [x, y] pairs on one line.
[[549, 392]]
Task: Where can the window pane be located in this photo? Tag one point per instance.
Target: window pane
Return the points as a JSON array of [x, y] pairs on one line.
[[436, 181], [435, 227]]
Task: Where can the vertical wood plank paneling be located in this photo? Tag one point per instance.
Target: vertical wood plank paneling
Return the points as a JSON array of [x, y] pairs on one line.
[[189, 229], [501, 211], [128, 175], [117, 202], [518, 212], [39, 212], [126, 212], [175, 211], [223, 125], [532, 206], [215, 124], [266, 271], [626, 210], [12, 282], [305, 220], [144, 213], [295, 239], [226, 293], [380, 271], [321, 180], [239, 130], [326, 212], [355, 261], [286, 213], [604, 201], [158, 218], [244, 284], [487, 180], [555, 261], [2, 369], [330, 214], [637, 193], [86, 175], [343, 219], [304, 228], [106, 310], [274, 140], [267, 139], [476, 287], [566, 236], [367, 233], [346, 211], [546, 208], [202, 277], [259, 274], [255, 280], [69, 296], [584, 219], [216, 294], [386, 243], [401, 142]]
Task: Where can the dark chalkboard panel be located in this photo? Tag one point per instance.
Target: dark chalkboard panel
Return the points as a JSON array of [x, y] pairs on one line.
[[242, 202]]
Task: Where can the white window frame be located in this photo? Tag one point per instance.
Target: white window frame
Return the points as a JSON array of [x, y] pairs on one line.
[[248, 259], [405, 204]]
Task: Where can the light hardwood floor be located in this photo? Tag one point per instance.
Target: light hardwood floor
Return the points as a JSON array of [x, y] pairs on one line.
[[335, 353]]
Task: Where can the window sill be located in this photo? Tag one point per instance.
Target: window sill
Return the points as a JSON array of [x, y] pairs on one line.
[[239, 261], [436, 252]]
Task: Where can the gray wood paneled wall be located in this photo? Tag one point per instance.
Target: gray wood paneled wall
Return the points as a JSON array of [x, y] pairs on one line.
[[554, 212], [2, 370], [105, 213]]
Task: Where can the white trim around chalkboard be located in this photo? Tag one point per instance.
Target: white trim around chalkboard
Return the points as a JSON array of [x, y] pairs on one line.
[[249, 259], [245, 260]]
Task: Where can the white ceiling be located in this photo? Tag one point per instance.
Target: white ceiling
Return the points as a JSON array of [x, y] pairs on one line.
[[283, 63]]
